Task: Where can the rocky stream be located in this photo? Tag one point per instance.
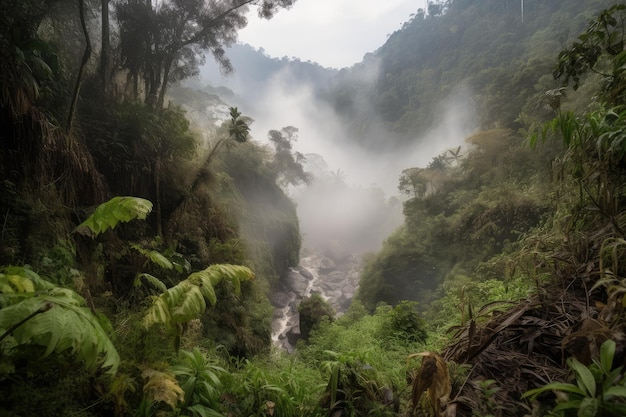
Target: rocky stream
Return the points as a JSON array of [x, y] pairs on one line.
[[334, 278]]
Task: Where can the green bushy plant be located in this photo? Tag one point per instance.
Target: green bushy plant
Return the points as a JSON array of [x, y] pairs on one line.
[[599, 389]]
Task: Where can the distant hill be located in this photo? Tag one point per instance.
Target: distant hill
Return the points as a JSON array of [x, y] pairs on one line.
[[482, 56], [254, 71]]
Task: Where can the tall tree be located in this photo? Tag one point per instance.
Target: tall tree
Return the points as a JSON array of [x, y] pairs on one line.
[[165, 41], [105, 51]]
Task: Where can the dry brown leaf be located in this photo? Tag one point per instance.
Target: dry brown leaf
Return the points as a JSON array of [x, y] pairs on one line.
[[433, 378]]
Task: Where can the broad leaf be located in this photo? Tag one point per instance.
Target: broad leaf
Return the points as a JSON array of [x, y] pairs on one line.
[[584, 377], [557, 386], [588, 407], [615, 391], [607, 352]]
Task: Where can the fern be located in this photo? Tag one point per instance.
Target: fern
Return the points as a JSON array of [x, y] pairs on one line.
[[187, 299], [110, 214], [53, 317], [152, 280], [154, 256], [162, 387]]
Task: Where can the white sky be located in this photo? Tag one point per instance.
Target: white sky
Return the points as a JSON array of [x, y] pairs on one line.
[[333, 33]]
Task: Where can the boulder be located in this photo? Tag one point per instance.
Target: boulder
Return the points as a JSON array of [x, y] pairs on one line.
[[327, 265], [293, 334], [297, 282], [280, 299], [305, 273]]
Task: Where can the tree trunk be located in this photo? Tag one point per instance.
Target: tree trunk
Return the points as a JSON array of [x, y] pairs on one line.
[[105, 57], [157, 183], [166, 78], [81, 69]]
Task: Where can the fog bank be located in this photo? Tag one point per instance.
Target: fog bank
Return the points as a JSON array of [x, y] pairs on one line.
[[353, 202]]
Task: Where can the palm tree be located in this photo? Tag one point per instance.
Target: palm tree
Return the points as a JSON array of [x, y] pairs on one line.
[[239, 129]]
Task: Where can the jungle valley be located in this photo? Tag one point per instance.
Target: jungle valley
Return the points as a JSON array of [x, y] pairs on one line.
[[467, 179]]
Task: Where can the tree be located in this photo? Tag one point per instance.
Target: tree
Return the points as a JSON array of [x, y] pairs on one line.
[[313, 310], [286, 163], [165, 42], [81, 69], [600, 50], [105, 50]]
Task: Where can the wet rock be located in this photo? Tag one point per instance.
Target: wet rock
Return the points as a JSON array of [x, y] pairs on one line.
[[334, 277], [280, 299], [293, 334], [297, 282], [327, 265], [305, 273]]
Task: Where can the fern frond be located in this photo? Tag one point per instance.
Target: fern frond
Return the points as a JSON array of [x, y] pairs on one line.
[[158, 312], [214, 274], [21, 280], [190, 306], [111, 213], [150, 279], [162, 387], [67, 325], [186, 300], [154, 256]]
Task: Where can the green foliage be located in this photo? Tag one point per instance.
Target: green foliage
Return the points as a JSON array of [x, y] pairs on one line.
[[313, 310], [481, 46], [186, 300], [600, 49], [355, 387], [110, 214], [463, 212], [36, 312], [407, 324], [238, 129], [199, 378], [599, 390], [269, 223]]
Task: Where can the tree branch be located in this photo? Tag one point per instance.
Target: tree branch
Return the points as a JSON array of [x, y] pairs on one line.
[[11, 329]]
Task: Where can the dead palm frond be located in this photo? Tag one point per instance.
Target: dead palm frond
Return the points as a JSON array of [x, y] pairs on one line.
[[433, 378]]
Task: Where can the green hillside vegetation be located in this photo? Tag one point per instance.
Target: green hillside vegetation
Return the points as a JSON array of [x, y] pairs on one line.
[[483, 46], [136, 258]]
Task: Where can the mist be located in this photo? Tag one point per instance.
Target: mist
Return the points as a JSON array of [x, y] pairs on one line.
[[353, 202]]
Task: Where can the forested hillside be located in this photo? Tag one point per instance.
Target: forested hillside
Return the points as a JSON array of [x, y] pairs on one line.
[[483, 47], [138, 247]]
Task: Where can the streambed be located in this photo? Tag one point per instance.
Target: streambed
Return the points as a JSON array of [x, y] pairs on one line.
[[335, 279]]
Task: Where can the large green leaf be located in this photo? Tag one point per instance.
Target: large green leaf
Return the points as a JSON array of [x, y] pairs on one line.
[[186, 300], [63, 323], [584, 377], [110, 214], [557, 386]]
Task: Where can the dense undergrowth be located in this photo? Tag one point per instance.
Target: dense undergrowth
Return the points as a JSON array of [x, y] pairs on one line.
[[136, 258]]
